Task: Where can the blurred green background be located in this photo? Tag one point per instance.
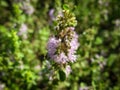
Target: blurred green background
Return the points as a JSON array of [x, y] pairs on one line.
[[25, 27]]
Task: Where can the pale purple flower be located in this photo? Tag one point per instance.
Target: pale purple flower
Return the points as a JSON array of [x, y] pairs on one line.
[[72, 57], [23, 29], [74, 46], [28, 8], [68, 70], [71, 28], [62, 58], [53, 43], [51, 46], [74, 42], [51, 14]]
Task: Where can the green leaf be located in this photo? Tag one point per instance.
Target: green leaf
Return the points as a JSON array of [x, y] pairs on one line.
[[62, 75], [65, 7], [98, 41]]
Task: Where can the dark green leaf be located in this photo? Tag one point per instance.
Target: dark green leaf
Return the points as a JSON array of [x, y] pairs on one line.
[[62, 75]]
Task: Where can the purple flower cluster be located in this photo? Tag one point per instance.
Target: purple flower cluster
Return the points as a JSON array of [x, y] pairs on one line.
[[23, 31], [28, 8], [51, 16], [62, 57]]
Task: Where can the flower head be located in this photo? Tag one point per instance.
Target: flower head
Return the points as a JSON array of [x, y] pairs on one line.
[[62, 47], [51, 47], [61, 53], [28, 8], [23, 31]]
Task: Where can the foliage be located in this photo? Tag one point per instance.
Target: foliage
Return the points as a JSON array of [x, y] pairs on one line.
[[25, 28]]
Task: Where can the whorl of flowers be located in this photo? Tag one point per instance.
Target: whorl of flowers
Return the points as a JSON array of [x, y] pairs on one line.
[[27, 8], [62, 46], [23, 31]]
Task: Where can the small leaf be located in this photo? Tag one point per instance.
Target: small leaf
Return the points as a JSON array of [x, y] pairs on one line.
[[62, 75], [98, 41], [65, 7]]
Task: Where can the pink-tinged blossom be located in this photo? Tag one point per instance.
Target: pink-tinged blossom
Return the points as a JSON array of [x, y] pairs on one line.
[[68, 70], [74, 42], [71, 28], [23, 31], [53, 43], [62, 58], [52, 46], [28, 8], [72, 57], [73, 47], [62, 47], [51, 14]]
